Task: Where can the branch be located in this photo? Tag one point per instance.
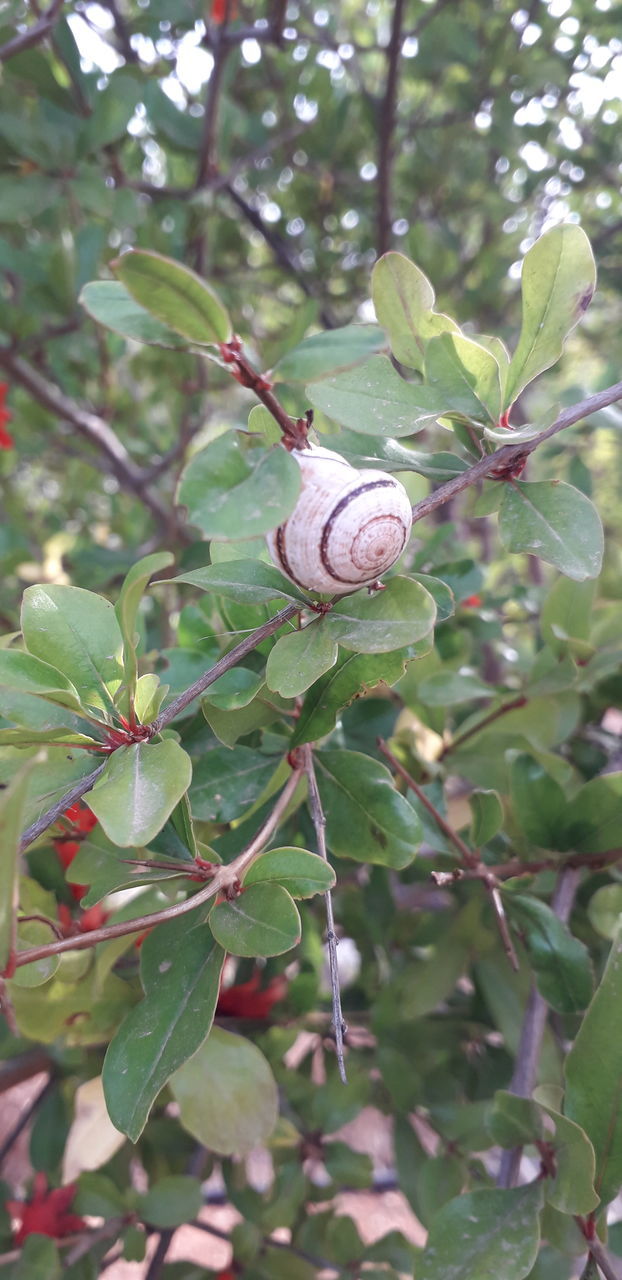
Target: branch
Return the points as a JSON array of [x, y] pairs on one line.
[[225, 663], [505, 458], [93, 428], [319, 823], [32, 35], [386, 142], [603, 1260], [55, 811], [226, 880], [23, 1067], [532, 1031]]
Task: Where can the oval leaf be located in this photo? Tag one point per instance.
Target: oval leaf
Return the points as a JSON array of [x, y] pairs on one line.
[[239, 1109], [465, 375], [561, 963], [109, 304], [373, 400], [484, 1234], [366, 818], [77, 632], [247, 581], [298, 659], [181, 968], [324, 354], [300, 872], [232, 495], [404, 300], [593, 1072], [556, 522], [139, 790], [557, 283], [401, 614], [263, 921], [176, 296], [225, 782]]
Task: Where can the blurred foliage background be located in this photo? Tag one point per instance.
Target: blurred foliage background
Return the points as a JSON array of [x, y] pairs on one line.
[[278, 148]]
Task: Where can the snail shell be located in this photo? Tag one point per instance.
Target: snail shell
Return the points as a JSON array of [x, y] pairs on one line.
[[346, 529]]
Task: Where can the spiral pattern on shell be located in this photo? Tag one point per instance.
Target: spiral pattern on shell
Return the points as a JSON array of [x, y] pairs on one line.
[[347, 528]]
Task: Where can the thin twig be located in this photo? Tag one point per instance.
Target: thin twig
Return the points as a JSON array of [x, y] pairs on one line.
[[56, 810], [32, 35], [603, 1260], [458, 740], [532, 1031], [319, 822], [226, 880], [25, 1118], [225, 663], [386, 140], [94, 429], [23, 1067], [505, 458]]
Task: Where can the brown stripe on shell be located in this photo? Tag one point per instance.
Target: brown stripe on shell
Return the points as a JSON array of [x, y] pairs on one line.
[[283, 557], [341, 506]]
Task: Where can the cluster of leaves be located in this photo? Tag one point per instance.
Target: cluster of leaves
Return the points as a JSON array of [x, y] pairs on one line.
[[189, 793], [495, 682]]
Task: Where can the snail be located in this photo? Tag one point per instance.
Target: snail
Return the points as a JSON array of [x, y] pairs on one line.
[[347, 527]]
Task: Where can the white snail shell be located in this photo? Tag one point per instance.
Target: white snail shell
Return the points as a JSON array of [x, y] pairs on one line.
[[347, 527]]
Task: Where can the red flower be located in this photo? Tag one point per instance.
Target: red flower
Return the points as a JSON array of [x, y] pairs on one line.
[[472, 602], [46, 1213], [93, 918], [81, 817], [223, 11], [246, 1000], [226, 1275], [66, 850], [6, 439]]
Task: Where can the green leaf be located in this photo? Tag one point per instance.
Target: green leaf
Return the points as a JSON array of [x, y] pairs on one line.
[[605, 910], [139, 789], [451, 689], [593, 1072], [591, 822], [127, 606], [514, 1121], [374, 400], [399, 615], [484, 1234], [572, 1188], [561, 963], [557, 284], [538, 802], [403, 300], [181, 968], [353, 674], [234, 689], [77, 632], [487, 810], [442, 595], [171, 1201], [240, 1108], [231, 495], [366, 818], [35, 933], [226, 782], [302, 873], [174, 295], [566, 613], [101, 865], [12, 822], [397, 457], [464, 375], [39, 1259], [299, 658], [109, 304], [247, 581], [554, 521], [324, 354], [263, 921], [23, 673]]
